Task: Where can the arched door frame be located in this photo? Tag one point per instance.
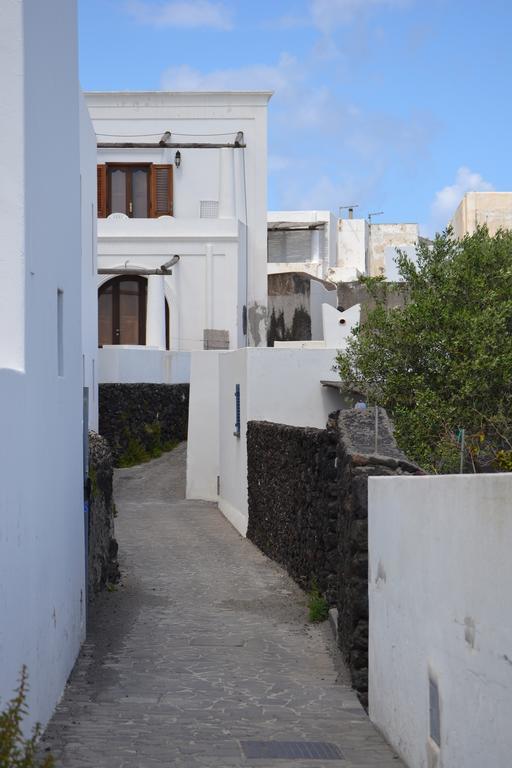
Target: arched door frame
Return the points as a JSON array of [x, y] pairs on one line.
[[103, 280]]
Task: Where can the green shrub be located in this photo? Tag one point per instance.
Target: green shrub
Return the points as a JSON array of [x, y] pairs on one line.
[[318, 606], [443, 361], [16, 751]]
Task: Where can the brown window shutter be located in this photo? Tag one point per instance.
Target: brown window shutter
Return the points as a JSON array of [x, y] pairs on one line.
[[161, 190], [102, 191]]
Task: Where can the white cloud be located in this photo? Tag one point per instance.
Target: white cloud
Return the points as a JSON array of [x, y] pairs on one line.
[[258, 77], [181, 13], [327, 15], [448, 198], [304, 119]]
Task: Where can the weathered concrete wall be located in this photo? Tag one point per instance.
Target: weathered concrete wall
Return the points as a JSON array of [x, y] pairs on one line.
[[494, 209], [295, 307], [441, 616], [289, 317], [382, 236], [353, 293], [151, 414], [103, 567], [308, 509]]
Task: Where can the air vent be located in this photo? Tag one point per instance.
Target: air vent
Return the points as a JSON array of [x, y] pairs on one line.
[[209, 209]]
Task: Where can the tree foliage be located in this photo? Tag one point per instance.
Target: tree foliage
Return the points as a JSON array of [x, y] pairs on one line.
[[443, 361]]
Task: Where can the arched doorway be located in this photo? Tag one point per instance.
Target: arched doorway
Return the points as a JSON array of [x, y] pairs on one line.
[[122, 305]]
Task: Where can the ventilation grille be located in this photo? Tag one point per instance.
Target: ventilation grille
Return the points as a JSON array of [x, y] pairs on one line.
[[209, 209], [162, 189]]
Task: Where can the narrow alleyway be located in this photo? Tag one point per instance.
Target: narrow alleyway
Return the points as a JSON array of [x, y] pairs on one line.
[[202, 647]]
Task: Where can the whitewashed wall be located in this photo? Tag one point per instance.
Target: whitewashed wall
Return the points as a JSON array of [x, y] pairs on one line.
[[89, 262], [281, 385], [203, 426], [42, 563], [441, 607], [124, 364]]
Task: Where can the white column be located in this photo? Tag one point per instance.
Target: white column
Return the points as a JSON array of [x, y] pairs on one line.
[[208, 303], [227, 203], [315, 245], [155, 314]]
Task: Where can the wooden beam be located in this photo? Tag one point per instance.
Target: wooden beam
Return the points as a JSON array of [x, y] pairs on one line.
[[170, 145]]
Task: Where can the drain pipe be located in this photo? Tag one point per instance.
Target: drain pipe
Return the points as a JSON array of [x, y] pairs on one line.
[[164, 269]]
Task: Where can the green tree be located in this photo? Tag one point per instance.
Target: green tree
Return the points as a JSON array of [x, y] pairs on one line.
[[443, 361]]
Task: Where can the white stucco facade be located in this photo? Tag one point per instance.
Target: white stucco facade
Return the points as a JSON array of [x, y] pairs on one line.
[[276, 384], [441, 618], [42, 547], [218, 222]]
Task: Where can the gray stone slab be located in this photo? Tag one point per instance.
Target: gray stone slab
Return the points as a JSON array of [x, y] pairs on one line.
[[203, 645]]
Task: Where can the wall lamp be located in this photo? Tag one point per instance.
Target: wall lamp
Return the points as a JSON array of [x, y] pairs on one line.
[[177, 159]]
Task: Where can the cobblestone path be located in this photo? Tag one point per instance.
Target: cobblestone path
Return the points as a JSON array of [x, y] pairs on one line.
[[203, 646]]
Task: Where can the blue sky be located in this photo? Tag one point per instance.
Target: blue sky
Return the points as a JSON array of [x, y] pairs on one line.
[[397, 105]]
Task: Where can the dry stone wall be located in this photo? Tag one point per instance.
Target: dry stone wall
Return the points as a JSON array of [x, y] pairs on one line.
[[143, 417], [308, 510], [103, 567]]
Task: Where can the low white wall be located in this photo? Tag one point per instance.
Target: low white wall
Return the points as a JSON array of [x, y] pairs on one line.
[[276, 384], [124, 364], [440, 571], [203, 426]]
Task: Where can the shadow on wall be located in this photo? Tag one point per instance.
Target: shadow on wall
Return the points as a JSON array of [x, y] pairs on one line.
[[308, 510]]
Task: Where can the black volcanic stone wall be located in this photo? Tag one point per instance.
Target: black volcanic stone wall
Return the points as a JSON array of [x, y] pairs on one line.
[[308, 510], [293, 500], [131, 411], [103, 567]]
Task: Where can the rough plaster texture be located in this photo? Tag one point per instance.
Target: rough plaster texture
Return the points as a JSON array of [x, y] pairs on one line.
[[203, 644], [308, 510], [494, 209], [135, 411], [441, 610]]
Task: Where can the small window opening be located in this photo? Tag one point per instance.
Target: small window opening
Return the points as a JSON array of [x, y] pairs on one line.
[[60, 332]]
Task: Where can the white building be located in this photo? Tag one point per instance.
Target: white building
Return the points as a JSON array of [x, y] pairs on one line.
[[179, 174], [369, 248], [301, 241], [42, 366]]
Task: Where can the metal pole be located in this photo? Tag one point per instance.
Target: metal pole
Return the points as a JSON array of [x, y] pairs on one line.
[[462, 440], [376, 429]]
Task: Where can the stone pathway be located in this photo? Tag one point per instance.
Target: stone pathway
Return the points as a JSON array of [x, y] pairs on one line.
[[203, 646]]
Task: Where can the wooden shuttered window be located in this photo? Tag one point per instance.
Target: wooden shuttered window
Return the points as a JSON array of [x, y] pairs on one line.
[[159, 179], [102, 191], [161, 190]]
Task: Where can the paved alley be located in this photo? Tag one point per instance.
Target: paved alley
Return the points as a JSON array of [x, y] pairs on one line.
[[202, 648]]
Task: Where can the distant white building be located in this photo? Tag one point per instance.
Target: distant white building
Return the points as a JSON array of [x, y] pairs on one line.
[[337, 250], [47, 219], [494, 209], [301, 241], [179, 175], [366, 248]]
